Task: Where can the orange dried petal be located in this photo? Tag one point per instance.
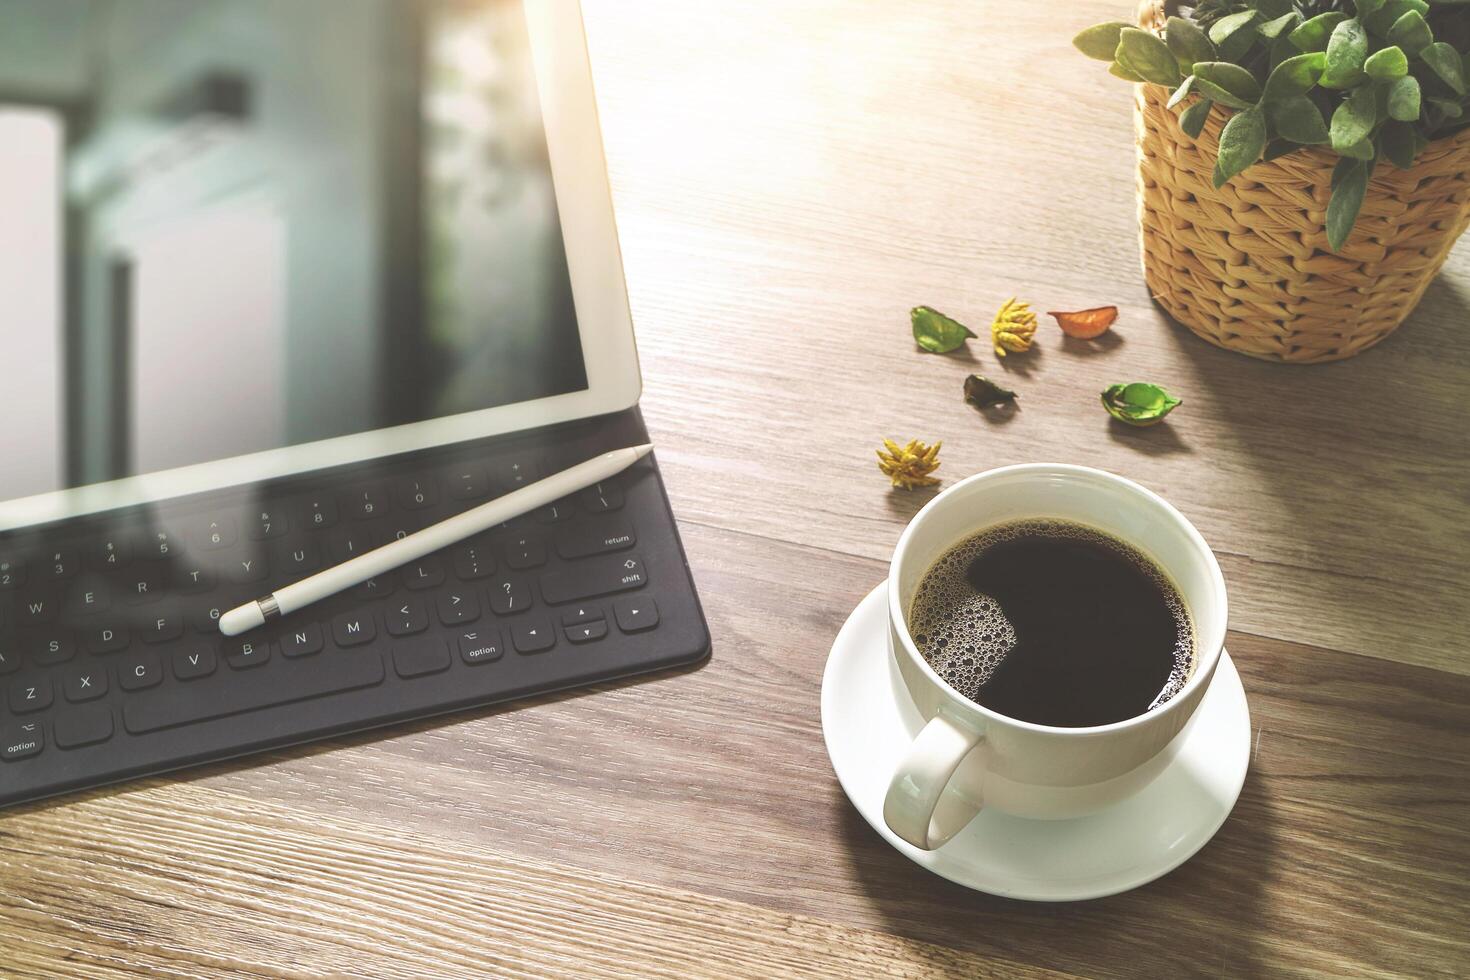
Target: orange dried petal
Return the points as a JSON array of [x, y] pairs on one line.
[[1086, 324]]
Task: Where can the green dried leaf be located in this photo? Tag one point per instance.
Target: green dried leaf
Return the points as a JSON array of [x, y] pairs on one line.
[[1355, 118], [1314, 32], [1346, 52], [1148, 57], [1222, 29], [1138, 403], [1295, 76], [1188, 42], [1100, 41], [1298, 119], [984, 393], [1242, 142], [936, 332], [1411, 33], [1232, 78], [1350, 186], [1389, 63], [1192, 120], [1445, 62], [1396, 142], [1403, 99]]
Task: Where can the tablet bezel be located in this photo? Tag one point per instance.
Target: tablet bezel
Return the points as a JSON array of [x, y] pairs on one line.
[[584, 200]]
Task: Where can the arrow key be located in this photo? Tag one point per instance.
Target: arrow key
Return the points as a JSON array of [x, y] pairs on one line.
[[635, 615], [533, 636], [587, 632]]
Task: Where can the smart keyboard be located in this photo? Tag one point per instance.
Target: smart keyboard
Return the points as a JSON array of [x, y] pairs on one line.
[[112, 665]]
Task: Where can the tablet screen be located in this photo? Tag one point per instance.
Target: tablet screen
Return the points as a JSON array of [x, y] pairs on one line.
[[239, 225]]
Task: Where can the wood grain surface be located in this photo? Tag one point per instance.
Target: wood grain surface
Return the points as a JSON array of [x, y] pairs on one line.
[[790, 179]]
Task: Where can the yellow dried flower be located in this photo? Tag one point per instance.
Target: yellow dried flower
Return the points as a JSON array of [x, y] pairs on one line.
[[1014, 328], [909, 466]]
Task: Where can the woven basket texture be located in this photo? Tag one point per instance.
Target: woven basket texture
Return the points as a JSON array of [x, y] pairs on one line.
[[1246, 266]]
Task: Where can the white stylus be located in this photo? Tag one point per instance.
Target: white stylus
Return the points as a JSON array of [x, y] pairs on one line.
[[357, 570]]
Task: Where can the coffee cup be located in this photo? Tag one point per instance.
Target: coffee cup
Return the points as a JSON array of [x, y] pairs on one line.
[[969, 757]]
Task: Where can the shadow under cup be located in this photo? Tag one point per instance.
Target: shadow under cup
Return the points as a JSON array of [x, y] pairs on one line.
[[1037, 770]]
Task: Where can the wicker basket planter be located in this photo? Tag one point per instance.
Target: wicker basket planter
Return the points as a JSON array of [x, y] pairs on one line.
[[1247, 266]]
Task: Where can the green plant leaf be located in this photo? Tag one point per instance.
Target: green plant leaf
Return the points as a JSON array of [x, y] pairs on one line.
[[1215, 93], [1222, 29], [1271, 8], [1278, 148], [1295, 76], [1445, 62], [1361, 150], [1138, 403], [1232, 78], [1381, 21], [1396, 141], [1403, 99], [1182, 92], [1388, 63], [1298, 119], [1188, 42], [1273, 29], [1148, 56], [1192, 119], [981, 392], [1122, 71], [936, 332], [1354, 118], [1350, 186], [1241, 143], [1452, 110], [1099, 41], [1314, 32], [1346, 52], [1367, 8], [1411, 32]]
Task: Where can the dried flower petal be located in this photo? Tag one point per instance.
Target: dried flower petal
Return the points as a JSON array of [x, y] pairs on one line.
[[1014, 328], [1138, 403], [982, 392], [937, 333], [1086, 324], [909, 466]]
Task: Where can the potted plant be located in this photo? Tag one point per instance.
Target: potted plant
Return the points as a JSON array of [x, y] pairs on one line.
[[1303, 165]]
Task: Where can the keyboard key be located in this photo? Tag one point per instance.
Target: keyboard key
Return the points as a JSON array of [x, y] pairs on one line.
[[105, 639], [9, 656], [158, 545], [252, 690], [89, 595], [426, 573], [468, 481], [509, 595], [62, 564], [581, 614], [266, 523], [427, 656], [593, 577], [298, 558], [83, 726], [516, 473], [35, 609], [139, 673], [193, 579], [30, 695], [480, 646], [21, 740], [407, 617], [144, 585], [352, 541], [377, 587], [412, 493], [366, 503], [12, 573], [636, 615], [190, 665], [167, 624], [301, 641], [218, 532], [247, 568], [458, 606], [354, 629], [51, 647], [525, 551], [243, 653], [533, 636], [205, 619], [555, 513], [85, 684], [473, 561], [320, 511], [586, 632], [595, 538], [112, 553], [601, 497]]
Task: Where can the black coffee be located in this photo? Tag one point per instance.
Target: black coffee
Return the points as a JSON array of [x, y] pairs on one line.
[[1054, 623]]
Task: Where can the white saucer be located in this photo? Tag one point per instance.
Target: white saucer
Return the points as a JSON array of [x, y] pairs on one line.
[[869, 720]]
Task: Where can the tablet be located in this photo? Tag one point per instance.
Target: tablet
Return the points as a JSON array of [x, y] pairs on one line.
[[320, 232]]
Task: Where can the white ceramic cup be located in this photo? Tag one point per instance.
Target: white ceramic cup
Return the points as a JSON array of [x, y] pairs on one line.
[[967, 756]]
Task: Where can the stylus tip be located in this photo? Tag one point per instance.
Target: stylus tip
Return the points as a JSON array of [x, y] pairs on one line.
[[643, 450], [242, 619]]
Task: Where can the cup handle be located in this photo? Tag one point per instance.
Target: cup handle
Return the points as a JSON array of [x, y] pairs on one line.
[[917, 807]]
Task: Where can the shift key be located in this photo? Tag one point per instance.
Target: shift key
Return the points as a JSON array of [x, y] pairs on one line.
[[593, 577]]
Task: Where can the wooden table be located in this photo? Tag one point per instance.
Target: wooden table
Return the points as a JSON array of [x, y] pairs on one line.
[[790, 179]]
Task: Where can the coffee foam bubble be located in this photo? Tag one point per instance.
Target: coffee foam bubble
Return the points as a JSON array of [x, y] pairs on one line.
[[964, 634]]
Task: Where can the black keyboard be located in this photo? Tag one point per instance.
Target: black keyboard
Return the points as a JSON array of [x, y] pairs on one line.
[[111, 663]]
